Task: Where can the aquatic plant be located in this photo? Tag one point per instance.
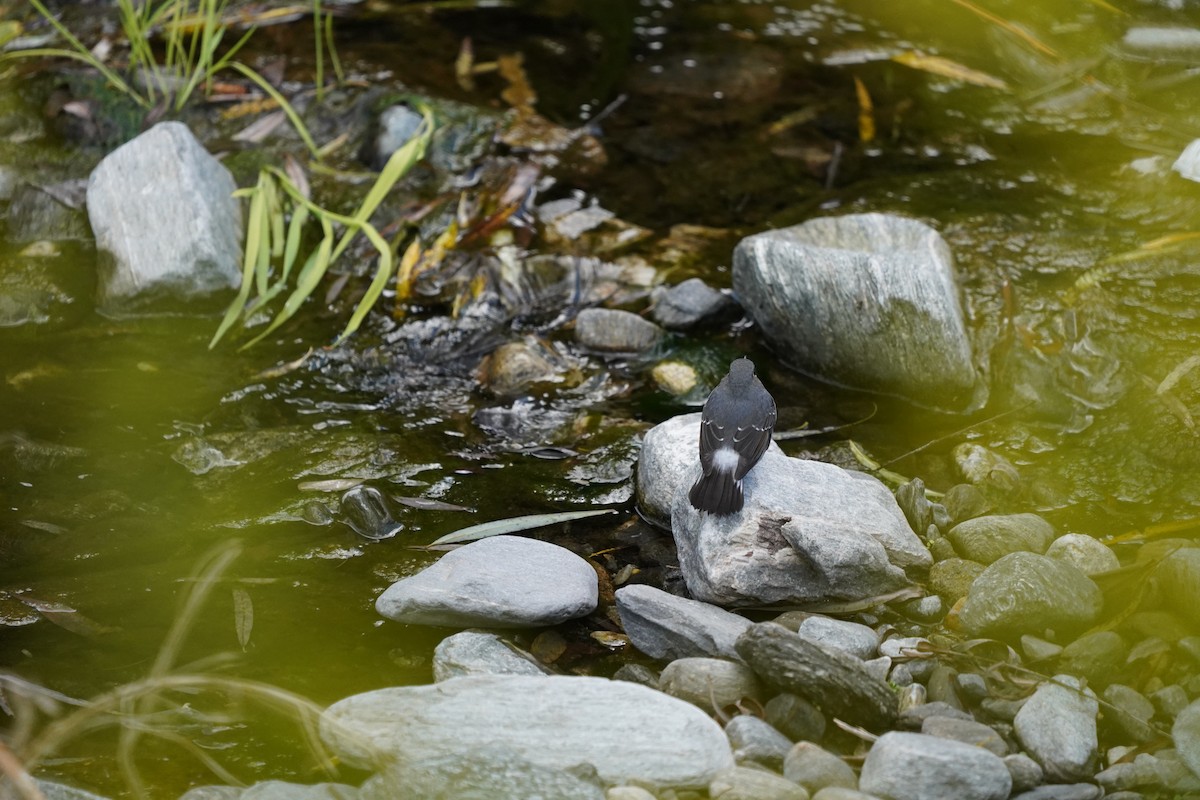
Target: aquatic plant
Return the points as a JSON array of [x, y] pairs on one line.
[[280, 210]]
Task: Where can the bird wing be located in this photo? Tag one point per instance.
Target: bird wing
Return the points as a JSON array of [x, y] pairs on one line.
[[712, 436], [752, 440]]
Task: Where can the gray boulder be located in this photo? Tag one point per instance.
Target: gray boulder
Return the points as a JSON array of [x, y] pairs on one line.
[[986, 539], [809, 532], [165, 220], [1028, 593], [1057, 727], [866, 300], [626, 732], [501, 582], [612, 330], [663, 625], [913, 766]]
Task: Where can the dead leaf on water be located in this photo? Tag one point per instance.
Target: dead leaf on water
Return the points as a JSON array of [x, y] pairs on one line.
[[519, 94], [464, 66], [426, 504], [243, 616], [866, 112], [611, 639], [65, 617], [936, 65]]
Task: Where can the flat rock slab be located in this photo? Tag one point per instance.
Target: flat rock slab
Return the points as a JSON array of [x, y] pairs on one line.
[[165, 220], [500, 582], [837, 683], [1057, 726], [913, 766], [663, 625], [864, 300], [627, 732], [809, 532]]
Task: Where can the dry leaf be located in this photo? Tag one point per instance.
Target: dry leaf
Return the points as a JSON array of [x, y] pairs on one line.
[[519, 94], [464, 66], [866, 112], [937, 65], [243, 616]]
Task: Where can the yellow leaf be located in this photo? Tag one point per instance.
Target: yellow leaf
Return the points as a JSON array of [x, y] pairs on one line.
[[937, 65], [243, 616], [866, 112]]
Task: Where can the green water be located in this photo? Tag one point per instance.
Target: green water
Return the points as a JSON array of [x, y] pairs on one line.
[[1033, 188]]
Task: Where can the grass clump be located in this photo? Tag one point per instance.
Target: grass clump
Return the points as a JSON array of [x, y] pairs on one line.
[[280, 212]]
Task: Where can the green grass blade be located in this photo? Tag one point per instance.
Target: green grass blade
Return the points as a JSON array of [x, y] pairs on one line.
[[306, 283], [295, 231], [397, 166], [382, 274], [338, 73], [297, 123], [514, 524], [248, 259]]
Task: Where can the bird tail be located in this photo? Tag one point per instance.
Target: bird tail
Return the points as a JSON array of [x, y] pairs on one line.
[[718, 492]]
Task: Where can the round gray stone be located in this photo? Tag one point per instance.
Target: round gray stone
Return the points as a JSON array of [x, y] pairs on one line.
[[912, 766]]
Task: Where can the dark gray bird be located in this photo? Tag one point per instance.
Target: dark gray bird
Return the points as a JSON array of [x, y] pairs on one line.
[[735, 430]]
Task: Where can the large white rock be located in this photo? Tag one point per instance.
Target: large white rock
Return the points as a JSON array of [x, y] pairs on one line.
[[809, 532], [500, 582], [165, 220], [627, 732], [864, 300]]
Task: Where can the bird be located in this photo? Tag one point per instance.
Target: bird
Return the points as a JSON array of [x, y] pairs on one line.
[[735, 431]]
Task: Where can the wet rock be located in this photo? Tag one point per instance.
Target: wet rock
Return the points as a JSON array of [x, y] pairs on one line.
[[966, 731], [501, 582], [849, 637], [866, 300], [516, 368], [612, 330], [283, 790], [479, 653], [1089, 555], [1132, 712], [912, 766], [915, 505], [986, 469], [666, 626], [1026, 773], [1170, 700], [1028, 593], [369, 513], [1057, 727], [691, 304], [986, 539], [795, 717], [964, 501], [395, 126], [1036, 649], [675, 377], [710, 683], [952, 578], [1186, 734], [809, 532], [165, 220], [1179, 578], [491, 772], [553, 721], [1096, 657], [754, 740], [38, 213], [742, 783], [815, 768], [38, 291], [637, 673], [915, 717], [836, 683]]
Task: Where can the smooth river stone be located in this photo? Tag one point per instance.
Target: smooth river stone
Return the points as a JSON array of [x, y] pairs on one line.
[[1028, 593], [501, 582], [913, 766], [627, 732], [987, 539]]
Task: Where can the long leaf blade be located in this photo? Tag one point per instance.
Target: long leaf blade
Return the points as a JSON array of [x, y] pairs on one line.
[[514, 524]]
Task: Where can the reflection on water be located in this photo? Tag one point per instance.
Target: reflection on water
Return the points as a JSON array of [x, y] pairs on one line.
[[127, 449]]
